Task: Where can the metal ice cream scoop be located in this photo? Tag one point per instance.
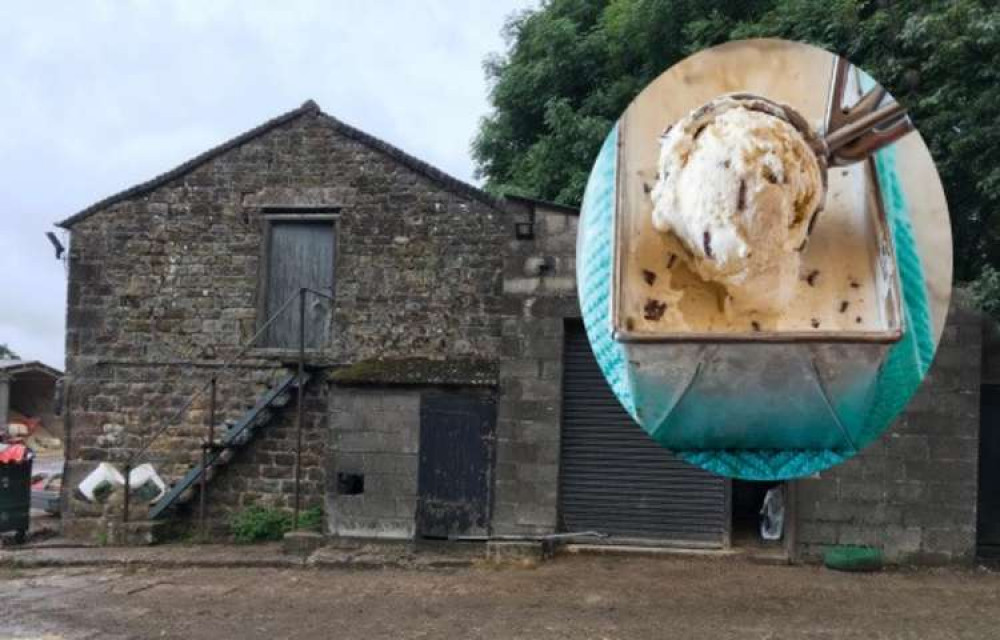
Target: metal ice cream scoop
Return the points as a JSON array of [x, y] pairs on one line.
[[853, 133]]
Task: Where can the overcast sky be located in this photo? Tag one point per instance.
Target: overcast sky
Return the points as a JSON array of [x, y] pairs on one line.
[[97, 96]]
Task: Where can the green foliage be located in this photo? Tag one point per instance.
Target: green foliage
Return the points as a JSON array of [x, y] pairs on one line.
[[311, 519], [6, 352], [572, 66], [985, 291], [259, 524]]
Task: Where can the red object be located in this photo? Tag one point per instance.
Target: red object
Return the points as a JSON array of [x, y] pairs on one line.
[[14, 453]]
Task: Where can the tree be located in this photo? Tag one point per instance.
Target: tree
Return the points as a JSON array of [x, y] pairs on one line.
[[6, 353], [572, 66]]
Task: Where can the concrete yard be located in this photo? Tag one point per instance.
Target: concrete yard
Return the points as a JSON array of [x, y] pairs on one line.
[[570, 597]]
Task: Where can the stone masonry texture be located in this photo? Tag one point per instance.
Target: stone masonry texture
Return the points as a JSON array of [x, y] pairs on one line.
[[164, 286], [913, 492]]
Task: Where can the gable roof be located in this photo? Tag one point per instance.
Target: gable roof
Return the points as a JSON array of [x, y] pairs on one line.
[[308, 108], [16, 366]]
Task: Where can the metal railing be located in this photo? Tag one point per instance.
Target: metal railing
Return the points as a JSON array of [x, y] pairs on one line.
[[211, 386]]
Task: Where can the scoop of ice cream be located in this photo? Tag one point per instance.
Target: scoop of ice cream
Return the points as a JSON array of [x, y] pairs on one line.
[[739, 185]]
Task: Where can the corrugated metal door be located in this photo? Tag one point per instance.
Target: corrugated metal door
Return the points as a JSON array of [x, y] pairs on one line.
[[615, 479], [457, 436], [300, 254]]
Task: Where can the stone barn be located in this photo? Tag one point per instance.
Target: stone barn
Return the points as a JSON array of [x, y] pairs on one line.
[[447, 386]]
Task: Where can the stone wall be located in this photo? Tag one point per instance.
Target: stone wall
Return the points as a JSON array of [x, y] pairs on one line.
[[120, 406], [539, 294], [263, 473], [913, 492], [163, 285], [173, 274]]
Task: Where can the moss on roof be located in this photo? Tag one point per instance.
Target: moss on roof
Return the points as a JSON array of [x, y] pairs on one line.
[[417, 371]]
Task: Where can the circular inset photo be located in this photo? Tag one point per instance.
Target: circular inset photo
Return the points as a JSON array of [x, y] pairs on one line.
[[764, 259]]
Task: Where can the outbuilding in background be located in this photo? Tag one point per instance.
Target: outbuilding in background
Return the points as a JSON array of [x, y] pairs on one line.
[[27, 404]]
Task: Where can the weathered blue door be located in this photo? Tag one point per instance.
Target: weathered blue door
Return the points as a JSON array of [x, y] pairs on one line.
[[457, 436]]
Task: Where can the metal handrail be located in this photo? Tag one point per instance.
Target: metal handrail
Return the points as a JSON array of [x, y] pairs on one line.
[[197, 394], [212, 384]]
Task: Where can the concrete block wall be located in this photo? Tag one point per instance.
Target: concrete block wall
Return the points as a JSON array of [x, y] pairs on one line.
[[374, 431], [539, 294], [912, 493]]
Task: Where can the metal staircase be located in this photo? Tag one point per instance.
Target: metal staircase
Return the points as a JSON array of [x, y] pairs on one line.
[[234, 437], [219, 451]]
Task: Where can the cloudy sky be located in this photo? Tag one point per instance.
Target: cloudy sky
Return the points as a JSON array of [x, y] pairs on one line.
[[97, 96]]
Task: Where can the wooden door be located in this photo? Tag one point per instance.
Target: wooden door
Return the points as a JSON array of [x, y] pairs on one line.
[[457, 436], [299, 254]]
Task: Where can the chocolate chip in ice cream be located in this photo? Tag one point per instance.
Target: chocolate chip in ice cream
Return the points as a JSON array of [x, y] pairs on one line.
[[648, 276], [654, 309], [811, 278], [706, 243], [768, 174]]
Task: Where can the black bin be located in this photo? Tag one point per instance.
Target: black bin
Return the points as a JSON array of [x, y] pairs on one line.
[[15, 497]]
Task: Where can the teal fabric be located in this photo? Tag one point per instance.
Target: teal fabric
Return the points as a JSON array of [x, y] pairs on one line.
[[909, 360], [594, 255], [905, 365]]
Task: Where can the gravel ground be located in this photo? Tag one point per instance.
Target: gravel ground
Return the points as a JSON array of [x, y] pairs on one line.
[[571, 597]]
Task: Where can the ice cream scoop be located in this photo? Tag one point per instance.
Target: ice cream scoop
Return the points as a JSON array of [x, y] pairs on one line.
[[740, 182], [742, 179]]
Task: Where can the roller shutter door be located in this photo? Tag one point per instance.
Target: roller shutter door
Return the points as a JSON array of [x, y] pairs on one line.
[[615, 479]]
